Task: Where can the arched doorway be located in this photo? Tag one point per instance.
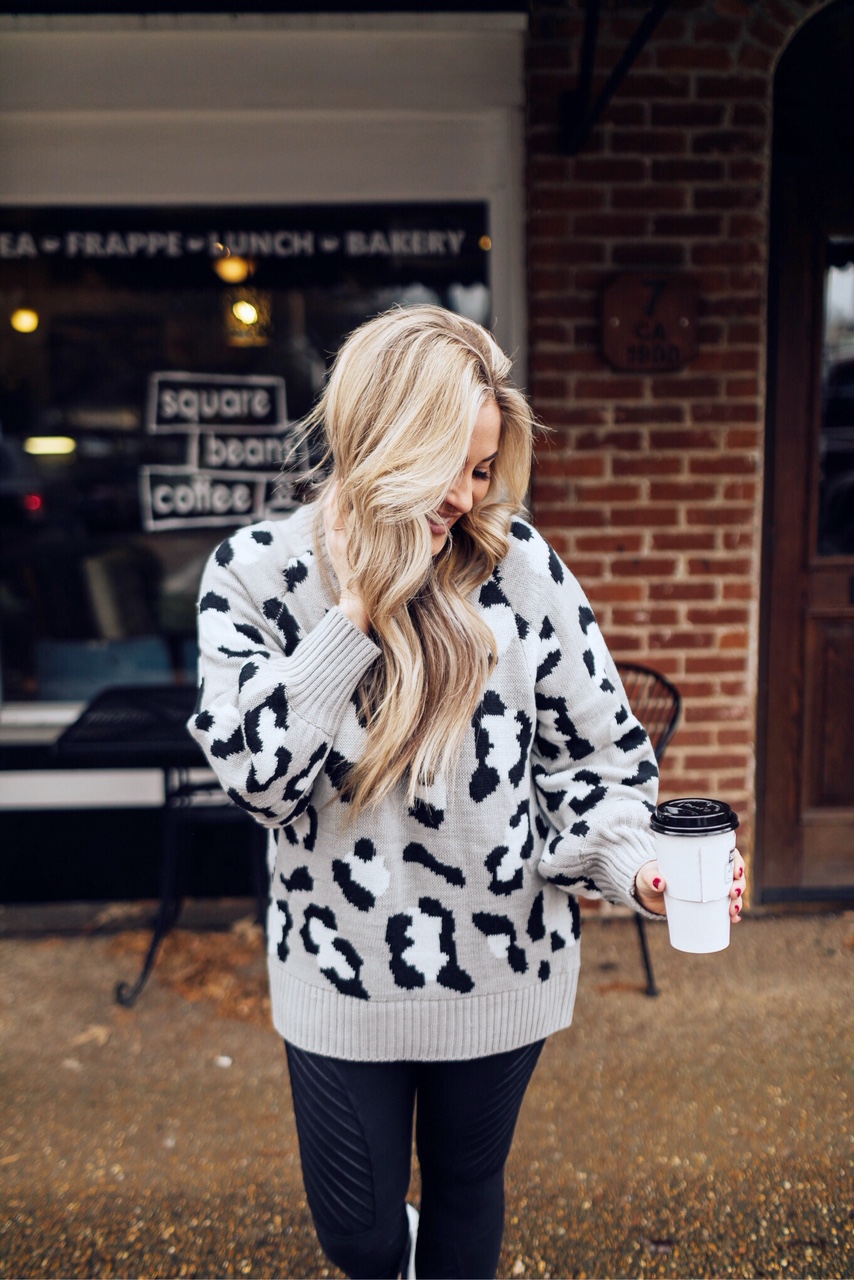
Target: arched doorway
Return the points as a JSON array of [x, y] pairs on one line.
[[806, 763]]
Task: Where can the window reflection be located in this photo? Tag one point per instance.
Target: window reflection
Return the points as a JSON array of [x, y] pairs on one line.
[[91, 594], [836, 443]]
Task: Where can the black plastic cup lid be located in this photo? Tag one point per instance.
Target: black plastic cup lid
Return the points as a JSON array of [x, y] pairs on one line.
[[693, 816]]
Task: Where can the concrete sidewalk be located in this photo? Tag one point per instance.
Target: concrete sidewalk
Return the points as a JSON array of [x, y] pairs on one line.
[[709, 1132]]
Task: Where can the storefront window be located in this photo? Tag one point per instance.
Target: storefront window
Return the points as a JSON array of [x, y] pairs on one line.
[[836, 443], [152, 365]]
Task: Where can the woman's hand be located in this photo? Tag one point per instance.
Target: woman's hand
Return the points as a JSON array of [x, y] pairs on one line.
[[649, 888], [350, 602]]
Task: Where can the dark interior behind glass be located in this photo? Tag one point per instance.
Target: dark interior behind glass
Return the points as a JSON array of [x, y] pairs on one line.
[[93, 593]]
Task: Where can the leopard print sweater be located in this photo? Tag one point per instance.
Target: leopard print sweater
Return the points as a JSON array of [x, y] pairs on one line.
[[447, 928]]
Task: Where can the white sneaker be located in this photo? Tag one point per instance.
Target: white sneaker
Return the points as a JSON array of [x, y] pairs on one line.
[[412, 1217]]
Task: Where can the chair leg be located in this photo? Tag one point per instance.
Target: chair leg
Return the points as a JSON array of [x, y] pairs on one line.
[[260, 874], [167, 913], [651, 988]]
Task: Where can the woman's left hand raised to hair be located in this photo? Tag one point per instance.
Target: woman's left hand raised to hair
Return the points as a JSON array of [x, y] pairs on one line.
[[350, 602], [649, 888]]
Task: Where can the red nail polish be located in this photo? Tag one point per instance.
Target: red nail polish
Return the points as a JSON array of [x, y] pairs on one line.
[[656, 882], [739, 891]]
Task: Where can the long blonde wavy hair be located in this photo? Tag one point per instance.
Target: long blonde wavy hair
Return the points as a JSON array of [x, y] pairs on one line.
[[398, 413]]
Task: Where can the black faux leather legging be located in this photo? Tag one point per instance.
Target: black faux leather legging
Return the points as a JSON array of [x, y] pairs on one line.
[[354, 1121]]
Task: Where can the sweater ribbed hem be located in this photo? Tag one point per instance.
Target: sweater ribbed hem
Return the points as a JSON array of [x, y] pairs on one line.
[[321, 1021]]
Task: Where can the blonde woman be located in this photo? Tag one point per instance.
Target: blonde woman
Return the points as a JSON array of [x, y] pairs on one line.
[[406, 685]]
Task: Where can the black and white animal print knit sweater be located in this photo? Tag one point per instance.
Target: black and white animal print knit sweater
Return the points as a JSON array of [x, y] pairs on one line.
[[446, 929]]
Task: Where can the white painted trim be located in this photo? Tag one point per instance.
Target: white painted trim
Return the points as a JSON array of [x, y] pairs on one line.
[[81, 789]]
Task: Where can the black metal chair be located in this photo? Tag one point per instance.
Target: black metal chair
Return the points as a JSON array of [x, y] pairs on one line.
[[657, 704]]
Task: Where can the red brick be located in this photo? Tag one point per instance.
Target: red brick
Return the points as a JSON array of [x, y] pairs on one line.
[[768, 33], [570, 517], [647, 465], [565, 415], [609, 388], [726, 254], [743, 440], [643, 566], [648, 87], [683, 541], [656, 414], [687, 115], [735, 737], [646, 517], [749, 114], [683, 591], [590, 464], [743, 492], [612, 592], [687, 225], [734, 640], [680, 57], [730, 306], [725, 567], [747, 331], [652, 256], [752, 57], [709, 335], [687, 171], [610, 224], [728, 197], [718, 516], [629, 441], [693, 737], [718, 617], [717, 663], [739, 591], [681, 639], [655, 196], [683, 440], [609, 170], [644, 617], [706, 761], [588, 570], [547, 226], [746, 169], [729, 88], [626, 113], [648, 142], [623, 643], [668, 491], [725, 465], [622, 543], [729, 360], [722, 413], [549, 388], [608, 492], [745, 225], [719, 31], [727, 142], [741, 540], [683, 388]]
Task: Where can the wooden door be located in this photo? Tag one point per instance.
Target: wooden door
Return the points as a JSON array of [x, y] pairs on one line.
[[806, 769]]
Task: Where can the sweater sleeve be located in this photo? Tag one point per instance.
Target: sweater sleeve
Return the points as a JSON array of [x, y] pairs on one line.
[[593, 764], [270, 697]]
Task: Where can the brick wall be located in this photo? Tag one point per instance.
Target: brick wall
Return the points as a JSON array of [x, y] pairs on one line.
[[651, 484]]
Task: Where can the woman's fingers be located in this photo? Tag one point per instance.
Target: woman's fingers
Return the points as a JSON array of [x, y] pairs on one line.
[[649, 887]]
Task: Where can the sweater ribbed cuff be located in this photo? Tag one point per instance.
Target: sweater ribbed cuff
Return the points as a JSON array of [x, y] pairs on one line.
[[325, 669], [619, 852]]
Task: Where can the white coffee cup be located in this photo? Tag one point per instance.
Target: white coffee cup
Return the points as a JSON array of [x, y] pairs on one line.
[[695, 847]]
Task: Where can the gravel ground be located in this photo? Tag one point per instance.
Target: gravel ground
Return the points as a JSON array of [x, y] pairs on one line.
[[706, 1133]]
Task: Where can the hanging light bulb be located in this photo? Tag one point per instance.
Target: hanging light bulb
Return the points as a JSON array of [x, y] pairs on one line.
[[24, 320]]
